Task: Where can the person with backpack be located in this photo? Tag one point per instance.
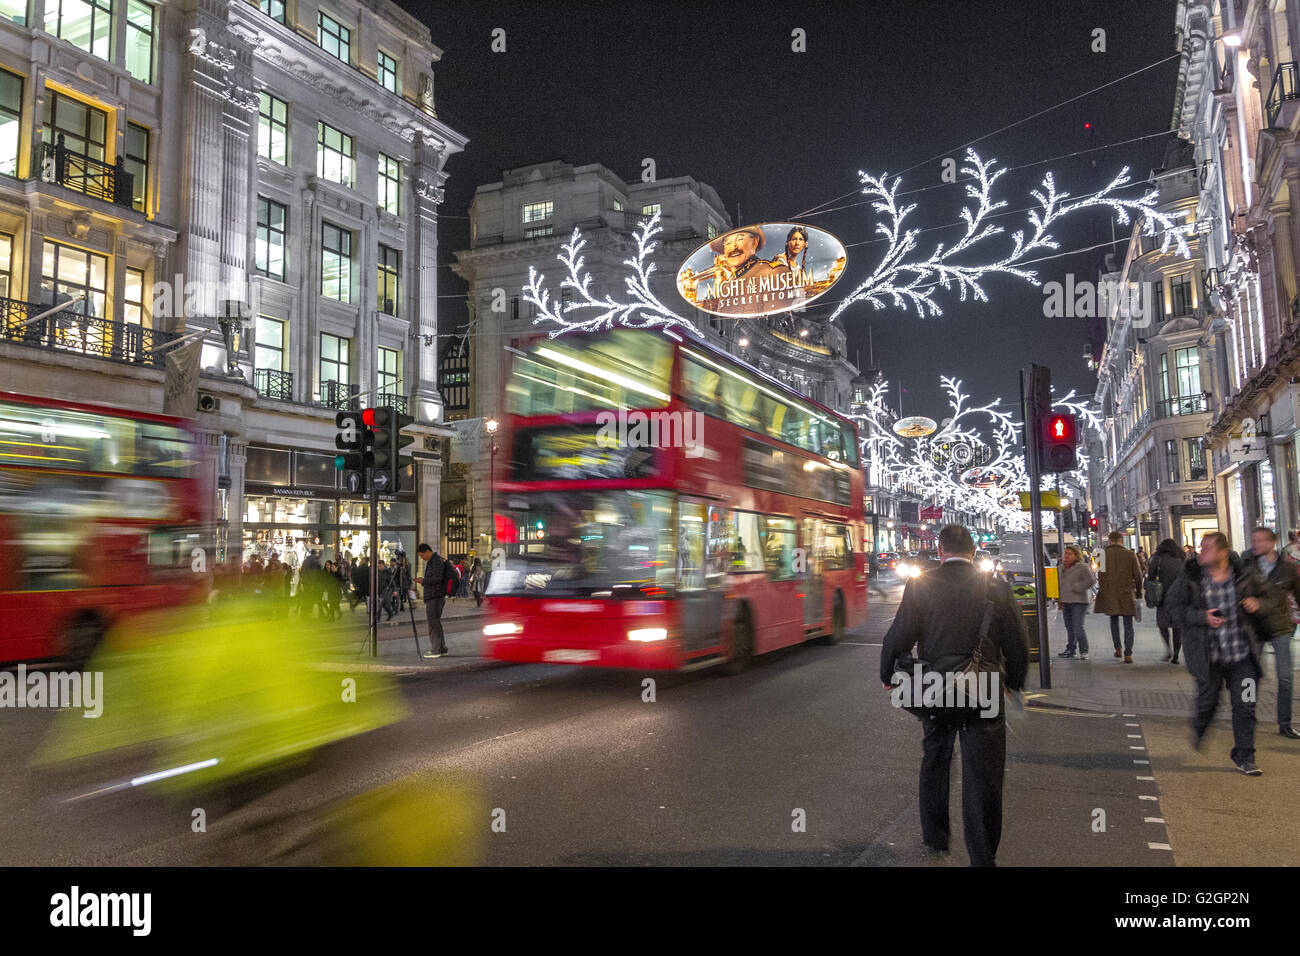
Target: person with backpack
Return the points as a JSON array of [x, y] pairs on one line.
[[477, 582], [959, 616], [439, 578]]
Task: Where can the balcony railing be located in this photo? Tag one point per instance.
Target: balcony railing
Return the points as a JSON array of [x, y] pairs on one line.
[[340, 395], [1284, 88], [394, 401], [1190, 405], [272, 384], [85, 174], [71, 331]]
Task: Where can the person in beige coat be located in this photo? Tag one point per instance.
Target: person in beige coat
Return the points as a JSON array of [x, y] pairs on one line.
[[1119, 587]]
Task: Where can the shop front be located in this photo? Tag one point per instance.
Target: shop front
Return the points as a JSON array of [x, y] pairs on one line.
[[301, 509]]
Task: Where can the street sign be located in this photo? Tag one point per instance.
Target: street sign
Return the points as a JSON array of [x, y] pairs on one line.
[[1052, 501]]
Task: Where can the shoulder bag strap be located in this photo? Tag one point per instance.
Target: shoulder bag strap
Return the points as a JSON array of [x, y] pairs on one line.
[[977, 659]]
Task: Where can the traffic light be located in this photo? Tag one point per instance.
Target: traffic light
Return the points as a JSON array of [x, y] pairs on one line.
[[387, 424], [354, 441], [1092, 523], [1059, 437]]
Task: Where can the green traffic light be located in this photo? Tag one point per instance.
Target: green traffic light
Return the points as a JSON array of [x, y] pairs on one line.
[[340, 462]]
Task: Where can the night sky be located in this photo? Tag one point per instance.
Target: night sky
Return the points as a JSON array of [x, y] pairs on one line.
[[714, 91]]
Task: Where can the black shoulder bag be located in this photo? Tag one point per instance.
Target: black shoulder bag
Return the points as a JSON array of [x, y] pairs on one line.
[[956, 684], [1155, 588]]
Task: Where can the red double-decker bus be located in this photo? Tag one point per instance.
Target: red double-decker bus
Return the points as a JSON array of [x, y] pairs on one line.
[[661, 504], [101, 511]]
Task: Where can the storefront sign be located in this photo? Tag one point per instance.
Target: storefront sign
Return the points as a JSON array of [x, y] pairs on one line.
[[1149, 527], [1203, 501], [761, 270]]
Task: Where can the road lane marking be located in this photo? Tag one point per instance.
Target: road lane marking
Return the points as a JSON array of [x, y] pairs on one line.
[[1135, 747], [1131, 725], [1134, 736], [1141, 761], [1153, 819], [1147, 778], [1145, 797], [1160, 846]]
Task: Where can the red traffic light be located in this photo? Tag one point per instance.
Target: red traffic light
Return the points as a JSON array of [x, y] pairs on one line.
[[1092, 522], [1060, 428]]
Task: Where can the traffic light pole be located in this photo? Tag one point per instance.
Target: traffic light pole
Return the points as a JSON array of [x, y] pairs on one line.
[[374, 562], [1033, 420]]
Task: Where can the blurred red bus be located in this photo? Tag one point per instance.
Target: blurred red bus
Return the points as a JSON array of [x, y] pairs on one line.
[[721, 519], [100, 512]]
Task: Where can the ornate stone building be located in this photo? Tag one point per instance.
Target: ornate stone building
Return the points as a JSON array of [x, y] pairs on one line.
[[267, 175]]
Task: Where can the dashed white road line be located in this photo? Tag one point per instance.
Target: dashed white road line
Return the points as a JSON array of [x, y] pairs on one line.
[[1159, 846], [1153, 819]]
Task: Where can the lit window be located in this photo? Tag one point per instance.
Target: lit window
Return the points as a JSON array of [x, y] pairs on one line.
[[390, 374], [651, 210], [334, 359], [133, 312], [273, 9], [537, 211], [336, 263], [70, 273], [333, 37], [386, 72], [273, 129], [538, 232], [268, 254], [390, 184], [390, 267], [618, 205], [136, 162], [335, 156], [269, 349], [11, 115], [86, 24], [139, 40]]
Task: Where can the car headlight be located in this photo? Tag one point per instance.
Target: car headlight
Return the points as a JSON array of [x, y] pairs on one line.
[[986, 564]]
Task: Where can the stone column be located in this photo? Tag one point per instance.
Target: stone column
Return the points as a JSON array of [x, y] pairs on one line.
[[421, 266], [428, 479]]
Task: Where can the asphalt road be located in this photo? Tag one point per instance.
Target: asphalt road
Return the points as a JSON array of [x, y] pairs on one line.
[[800, 760]]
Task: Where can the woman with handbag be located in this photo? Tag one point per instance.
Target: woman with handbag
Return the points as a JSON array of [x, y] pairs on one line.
[[1166, 567]]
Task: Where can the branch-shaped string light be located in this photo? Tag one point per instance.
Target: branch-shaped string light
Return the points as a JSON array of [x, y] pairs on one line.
[[901, 279], [907, 282], [920, 466]]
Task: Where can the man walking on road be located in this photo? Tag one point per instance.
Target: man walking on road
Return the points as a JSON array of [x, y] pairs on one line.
[[1215, 601], [437, 571], [944, 611], [1276, 574], [1119, 586]]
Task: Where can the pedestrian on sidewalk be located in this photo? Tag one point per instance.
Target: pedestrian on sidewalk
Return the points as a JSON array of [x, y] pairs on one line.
[[361, 583], [1216, 602], [477, 577], [944, 611], [1166, 568], [438, 573], [1143, 562], [1119, 588], [1293, 545], [1075, 583], [1277, 575]]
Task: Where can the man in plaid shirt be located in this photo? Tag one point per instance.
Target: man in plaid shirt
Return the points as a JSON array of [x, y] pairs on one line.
[[1218, 604]]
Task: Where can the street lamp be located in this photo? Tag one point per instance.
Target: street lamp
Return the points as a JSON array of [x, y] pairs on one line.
[[492, 425]]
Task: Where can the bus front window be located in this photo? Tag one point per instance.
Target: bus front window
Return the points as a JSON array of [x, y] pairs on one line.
[[585, 543]]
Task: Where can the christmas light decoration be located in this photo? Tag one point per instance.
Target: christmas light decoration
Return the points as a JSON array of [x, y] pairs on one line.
[[899, 280], [913, 466], [912, 283]]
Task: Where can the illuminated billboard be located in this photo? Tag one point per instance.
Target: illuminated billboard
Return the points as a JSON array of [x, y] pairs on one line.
[[761, 270]]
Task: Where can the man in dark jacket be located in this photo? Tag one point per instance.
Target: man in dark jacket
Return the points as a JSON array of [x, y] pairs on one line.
[[944, 609], [437, 570], [1216, 603], [1118, 587], [361, 583], [1276, 573]]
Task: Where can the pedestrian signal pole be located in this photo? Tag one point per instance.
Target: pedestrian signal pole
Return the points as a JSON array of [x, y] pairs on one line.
[[1037, 407]]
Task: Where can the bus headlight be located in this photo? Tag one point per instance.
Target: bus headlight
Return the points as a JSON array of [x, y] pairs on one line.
[[502, 630], [648, 634]]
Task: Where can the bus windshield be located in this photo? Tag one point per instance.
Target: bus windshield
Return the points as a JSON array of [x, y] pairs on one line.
[[623, 368], [586, 542]]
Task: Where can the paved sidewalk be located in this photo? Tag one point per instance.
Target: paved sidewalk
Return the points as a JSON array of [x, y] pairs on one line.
[[1149, 686], [462, 629]]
